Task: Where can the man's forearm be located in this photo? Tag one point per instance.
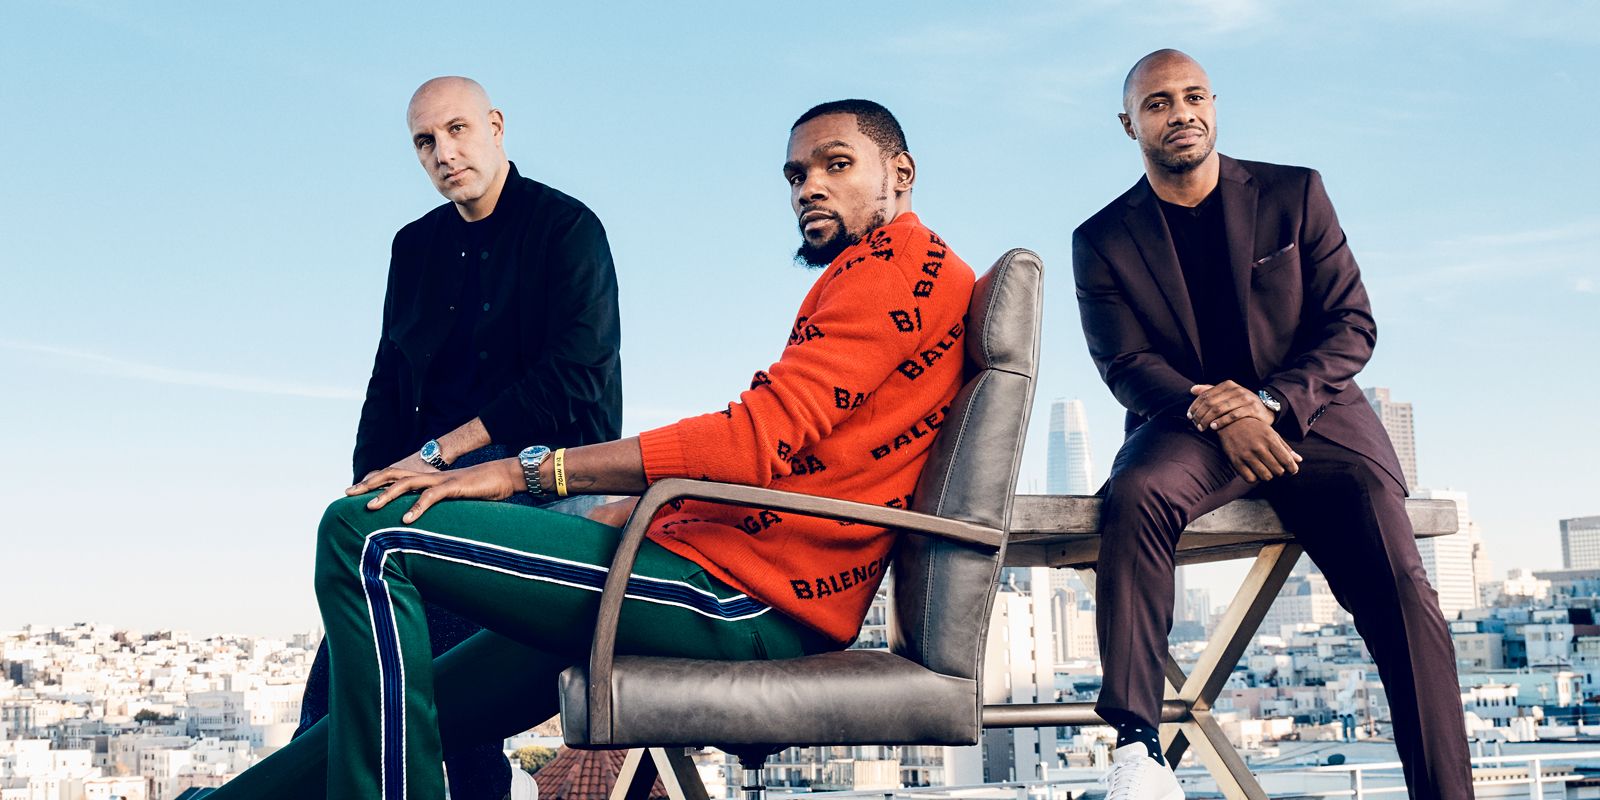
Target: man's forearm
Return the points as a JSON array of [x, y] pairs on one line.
[[470, 436], [606, 468], [615, 467]]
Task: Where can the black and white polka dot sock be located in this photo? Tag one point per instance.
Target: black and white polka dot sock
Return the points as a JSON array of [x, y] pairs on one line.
[[1131, 729]]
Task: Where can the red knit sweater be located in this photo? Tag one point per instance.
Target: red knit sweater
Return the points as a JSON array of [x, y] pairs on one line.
[[849, 411]]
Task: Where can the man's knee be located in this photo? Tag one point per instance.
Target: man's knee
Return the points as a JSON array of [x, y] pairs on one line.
[[1143, 493], [1360, 480], [340, 537]]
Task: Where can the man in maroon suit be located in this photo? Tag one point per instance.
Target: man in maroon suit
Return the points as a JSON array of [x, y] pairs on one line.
[[1223, 307]]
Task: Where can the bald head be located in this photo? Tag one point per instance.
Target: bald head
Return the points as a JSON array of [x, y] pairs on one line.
[[462, 92], [1150, 63]]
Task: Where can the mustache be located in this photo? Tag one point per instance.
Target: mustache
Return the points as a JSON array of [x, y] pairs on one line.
[[817, 213]]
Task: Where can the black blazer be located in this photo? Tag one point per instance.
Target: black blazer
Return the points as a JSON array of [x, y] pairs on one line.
[[550, 342], [1306, 314]]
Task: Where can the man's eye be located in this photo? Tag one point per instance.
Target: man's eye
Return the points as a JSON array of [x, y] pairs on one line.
[[423, 144], [457, 128], [795, 179], [838, 165], [1156, 106]]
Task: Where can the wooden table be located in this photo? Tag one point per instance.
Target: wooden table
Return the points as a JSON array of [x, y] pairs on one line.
[[1060, 531]]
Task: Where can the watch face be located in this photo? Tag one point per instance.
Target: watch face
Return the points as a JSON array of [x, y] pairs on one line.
[[430, 451], [537, 451]]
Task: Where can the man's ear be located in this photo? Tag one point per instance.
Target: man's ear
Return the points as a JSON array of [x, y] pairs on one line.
[[1127, 126], [497, 123], [904, 169]]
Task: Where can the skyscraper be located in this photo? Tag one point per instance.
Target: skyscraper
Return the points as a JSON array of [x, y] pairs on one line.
[[1455, 561], [1067, 465], [1449, 559], [1396, 418], [1580, 543]]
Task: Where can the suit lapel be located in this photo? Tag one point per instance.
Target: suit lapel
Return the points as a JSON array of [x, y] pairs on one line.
[[1149, 231], [1239, 195]]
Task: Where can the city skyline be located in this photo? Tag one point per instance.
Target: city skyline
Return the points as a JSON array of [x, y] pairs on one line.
[[196, 247]]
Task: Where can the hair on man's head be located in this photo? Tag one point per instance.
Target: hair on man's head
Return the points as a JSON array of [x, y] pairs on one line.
[[873, 120]]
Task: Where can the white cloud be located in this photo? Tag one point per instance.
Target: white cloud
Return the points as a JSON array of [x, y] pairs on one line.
[[101, 364]]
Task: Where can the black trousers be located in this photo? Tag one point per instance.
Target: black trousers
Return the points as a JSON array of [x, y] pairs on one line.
[[1349, 515]]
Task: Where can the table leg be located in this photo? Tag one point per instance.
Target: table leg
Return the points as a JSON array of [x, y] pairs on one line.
[[671, 764]]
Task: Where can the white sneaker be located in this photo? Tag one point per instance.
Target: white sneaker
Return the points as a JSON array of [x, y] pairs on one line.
[[1135, 775], [523, 786]]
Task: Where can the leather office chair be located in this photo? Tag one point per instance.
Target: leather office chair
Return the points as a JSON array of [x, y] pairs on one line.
[[927, 688]]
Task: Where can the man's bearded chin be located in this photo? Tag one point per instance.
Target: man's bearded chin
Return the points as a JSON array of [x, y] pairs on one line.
[[823, 253], [1172, 162]]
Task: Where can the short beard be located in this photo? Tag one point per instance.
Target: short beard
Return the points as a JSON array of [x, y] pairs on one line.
[[817, 256], [1180, 164]]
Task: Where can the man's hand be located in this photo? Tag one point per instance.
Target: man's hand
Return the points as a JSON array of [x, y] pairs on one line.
[[1217, 407], [615, 513], [495, 480], [411, 463], [1256, 451]]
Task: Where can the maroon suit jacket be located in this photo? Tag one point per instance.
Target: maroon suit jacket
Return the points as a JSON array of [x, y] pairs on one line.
[[1309, 324]]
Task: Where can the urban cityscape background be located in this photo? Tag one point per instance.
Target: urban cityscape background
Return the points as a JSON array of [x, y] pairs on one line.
[[89, 712], [193, 248]]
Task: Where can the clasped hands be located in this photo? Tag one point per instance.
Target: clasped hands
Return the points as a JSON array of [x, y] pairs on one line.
[[1244, 426]]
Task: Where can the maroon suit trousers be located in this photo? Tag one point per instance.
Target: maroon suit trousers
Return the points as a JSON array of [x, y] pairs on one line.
[[1349, 515]]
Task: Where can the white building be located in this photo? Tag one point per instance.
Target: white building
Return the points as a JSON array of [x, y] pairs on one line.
[[1019, 667], [1449, 559], [1304, 600], [30, 770], [1072, 617], [1398, 423], [1580, 543]]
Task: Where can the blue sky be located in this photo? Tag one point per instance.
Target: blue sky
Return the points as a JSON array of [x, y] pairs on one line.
[[193, 249]]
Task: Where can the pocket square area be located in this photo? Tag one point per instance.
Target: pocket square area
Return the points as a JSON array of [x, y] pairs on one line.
[[1274, 254]]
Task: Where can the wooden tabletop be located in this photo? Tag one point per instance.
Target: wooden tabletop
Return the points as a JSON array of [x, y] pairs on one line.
[[1060, 530]]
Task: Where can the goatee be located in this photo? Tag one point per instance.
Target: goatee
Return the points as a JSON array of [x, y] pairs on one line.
[[816, 256]]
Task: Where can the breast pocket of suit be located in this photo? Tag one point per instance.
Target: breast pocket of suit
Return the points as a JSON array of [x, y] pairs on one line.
[[1283, 261]]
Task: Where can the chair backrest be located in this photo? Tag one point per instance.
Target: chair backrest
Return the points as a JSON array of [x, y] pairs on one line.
[[943, 590]]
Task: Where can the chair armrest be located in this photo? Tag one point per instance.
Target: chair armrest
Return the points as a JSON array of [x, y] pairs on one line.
[[603, 650]]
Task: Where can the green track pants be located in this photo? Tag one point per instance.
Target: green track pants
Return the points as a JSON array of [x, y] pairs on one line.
[[532, 578]]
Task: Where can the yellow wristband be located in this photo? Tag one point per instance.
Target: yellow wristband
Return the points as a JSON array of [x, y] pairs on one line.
[[561, 472]]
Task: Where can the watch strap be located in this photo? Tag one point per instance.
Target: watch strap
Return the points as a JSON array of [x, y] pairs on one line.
[[531, 459]]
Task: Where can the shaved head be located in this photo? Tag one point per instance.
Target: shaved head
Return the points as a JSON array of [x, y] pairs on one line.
[[455, 87], [457, 134], [1159, 58]]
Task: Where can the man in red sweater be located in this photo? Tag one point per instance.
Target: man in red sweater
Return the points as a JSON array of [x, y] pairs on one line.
[[849, 410]]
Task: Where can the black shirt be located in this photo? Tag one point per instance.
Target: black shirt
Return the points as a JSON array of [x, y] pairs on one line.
[[457, 391], [514, 322], [1199, 236]]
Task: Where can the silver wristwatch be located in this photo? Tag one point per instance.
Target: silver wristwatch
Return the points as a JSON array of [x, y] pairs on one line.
[[530, 459], [433, 455], [1269, 401]]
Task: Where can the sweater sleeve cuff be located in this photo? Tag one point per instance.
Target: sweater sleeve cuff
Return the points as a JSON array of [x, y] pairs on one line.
[[662, 449]]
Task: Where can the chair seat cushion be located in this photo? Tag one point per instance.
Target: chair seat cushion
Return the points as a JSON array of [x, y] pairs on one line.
[[847, 697]]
